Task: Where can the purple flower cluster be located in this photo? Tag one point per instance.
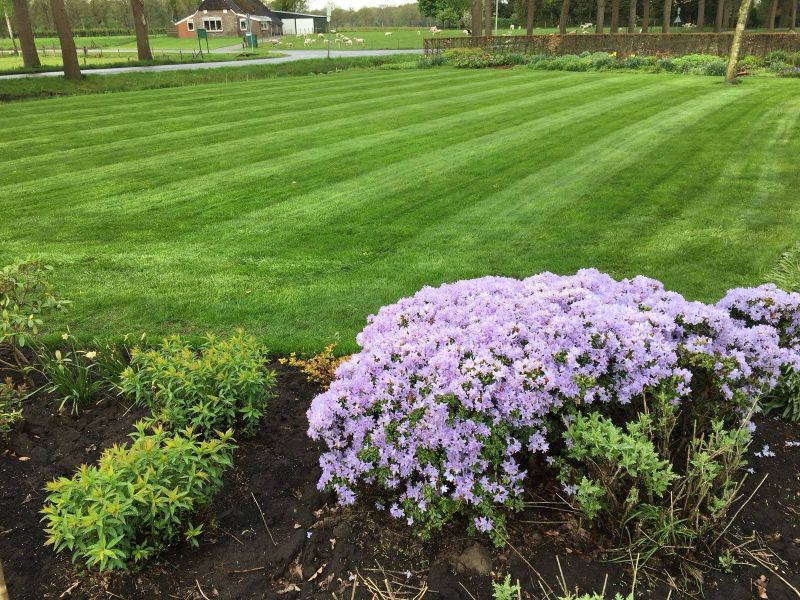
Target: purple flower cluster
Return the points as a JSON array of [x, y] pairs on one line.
[[453, 385], [767, 305]]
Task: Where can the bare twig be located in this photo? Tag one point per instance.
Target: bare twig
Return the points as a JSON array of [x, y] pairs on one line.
[[66, 592], [253, 570], [258, 506], [736, 514], [199, 589], [774, 572]]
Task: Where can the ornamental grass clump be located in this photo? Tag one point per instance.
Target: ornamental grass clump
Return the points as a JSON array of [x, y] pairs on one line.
[[457, 387], [138, 499], [223, 384]]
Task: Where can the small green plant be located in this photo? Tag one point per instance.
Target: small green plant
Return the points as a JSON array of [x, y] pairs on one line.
[[786, 273], [727, 561], [138, 499], [71, 375], [11, 397], [25, 298], [505, 590], [223, 384]]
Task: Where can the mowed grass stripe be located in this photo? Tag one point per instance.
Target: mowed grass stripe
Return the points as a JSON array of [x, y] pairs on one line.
[[333, 97], [276, 130], [582, 174], [305, 141]]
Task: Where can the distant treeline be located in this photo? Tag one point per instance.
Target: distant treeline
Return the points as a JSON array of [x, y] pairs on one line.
[[114, 17]]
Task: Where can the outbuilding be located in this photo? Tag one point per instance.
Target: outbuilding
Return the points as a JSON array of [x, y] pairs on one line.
[[238, 17]]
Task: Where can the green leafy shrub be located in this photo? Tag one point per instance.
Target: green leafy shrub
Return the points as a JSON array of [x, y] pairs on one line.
[[777, 56], [750, 62], [138, 499], [666, 489], [602, 61], [635, 62], [11, 397], [715, 69], [25, 297], [224, 384], [71, 375]]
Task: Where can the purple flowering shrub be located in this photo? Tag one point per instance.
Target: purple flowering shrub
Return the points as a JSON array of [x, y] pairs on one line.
[[457, 386], [770, 305]]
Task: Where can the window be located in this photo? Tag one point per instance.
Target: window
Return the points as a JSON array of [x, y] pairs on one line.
[[190, 25], [243, 24], [212, 24]]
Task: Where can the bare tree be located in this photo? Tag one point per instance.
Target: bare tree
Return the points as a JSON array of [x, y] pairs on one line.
[[530, 15], [140, 26], [10, 30], [632, 17], [614, 16], [562, 19], [645, 16], [733, 59], [69, 55], [476, 18], [29, 56], [666, 17], [601, 15]]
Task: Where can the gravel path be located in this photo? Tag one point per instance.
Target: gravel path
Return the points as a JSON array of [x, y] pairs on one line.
[[291, 55]]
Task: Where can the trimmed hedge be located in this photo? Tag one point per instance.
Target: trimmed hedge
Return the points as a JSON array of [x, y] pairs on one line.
[[624, 44]]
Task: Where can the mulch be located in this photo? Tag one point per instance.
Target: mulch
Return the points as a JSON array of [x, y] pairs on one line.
[[271, 534]]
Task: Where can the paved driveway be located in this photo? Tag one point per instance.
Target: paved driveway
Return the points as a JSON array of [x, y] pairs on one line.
[[291, 55]]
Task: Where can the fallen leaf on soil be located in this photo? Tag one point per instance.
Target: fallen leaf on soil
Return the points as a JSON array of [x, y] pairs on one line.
[[289, 588], [297, 526], [24, 458], [333, 543], [318, 571], [761, 587], [296, 570]]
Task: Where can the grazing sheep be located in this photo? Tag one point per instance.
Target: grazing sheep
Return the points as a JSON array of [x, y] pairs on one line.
[[465, 32], [348, 42], [586, 26], [307, 42], [321, 36], [418, 33], [289, 45], [512, 27], [359, 41], [338, 42], [388, 33]]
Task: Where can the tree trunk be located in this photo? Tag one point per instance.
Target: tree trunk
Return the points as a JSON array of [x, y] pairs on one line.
[[614, 16], [10, 30], [69, 55], [701, 15], [29, 57], [476, 18], [645, 16], [530, 15], [744, 10], [667, 15], [140, 26], [793, 18], [726, 20], [488, 18], [773, 8], [718, 18], [786, 7], [601, 15], [562, 20], [632, 17]]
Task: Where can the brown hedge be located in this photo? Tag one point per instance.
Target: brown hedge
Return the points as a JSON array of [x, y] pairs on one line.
[[624, 44]]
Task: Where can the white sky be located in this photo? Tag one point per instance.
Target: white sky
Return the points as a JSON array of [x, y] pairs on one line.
[[356, 4]]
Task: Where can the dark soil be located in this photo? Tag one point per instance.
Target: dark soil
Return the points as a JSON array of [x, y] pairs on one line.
[[302, 546]]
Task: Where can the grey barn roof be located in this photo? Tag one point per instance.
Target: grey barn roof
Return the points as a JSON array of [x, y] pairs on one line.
[[243, 7]]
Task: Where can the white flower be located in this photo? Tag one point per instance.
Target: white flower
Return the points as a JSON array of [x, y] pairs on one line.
[[91, 355]]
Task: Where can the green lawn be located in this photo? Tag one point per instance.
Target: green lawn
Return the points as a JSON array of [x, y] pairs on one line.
[[295, 207]]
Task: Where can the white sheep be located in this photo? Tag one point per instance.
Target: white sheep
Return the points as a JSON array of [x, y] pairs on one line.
[[418, 33], [388, 33], [348, 42], [359, 41], [465, 32], [321, 36], [307, 42]]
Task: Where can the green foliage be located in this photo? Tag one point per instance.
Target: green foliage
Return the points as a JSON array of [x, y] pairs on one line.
[[71, 374], [727, 561], [11, 397], [777, 56], [505, 590], [25, 298], [138, 499], [224, 384], [663, 487], [784, 399]]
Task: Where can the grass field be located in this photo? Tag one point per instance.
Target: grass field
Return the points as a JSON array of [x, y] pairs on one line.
[[295, 207]]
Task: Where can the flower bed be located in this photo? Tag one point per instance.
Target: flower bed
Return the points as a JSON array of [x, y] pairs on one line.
[[457, 386]]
